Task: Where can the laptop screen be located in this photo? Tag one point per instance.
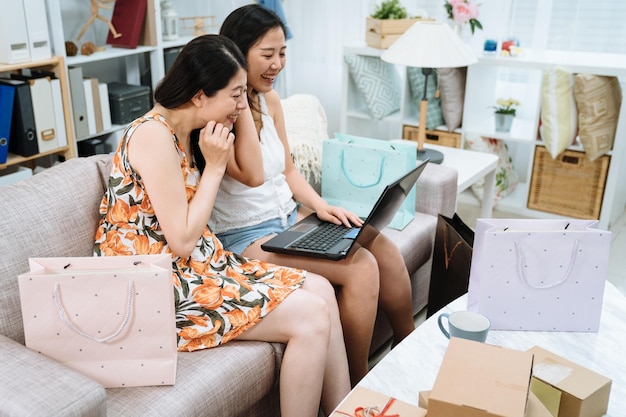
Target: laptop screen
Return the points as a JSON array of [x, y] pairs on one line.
[[388, 204]]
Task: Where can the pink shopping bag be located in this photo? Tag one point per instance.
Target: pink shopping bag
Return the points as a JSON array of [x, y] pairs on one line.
[[110, 318]]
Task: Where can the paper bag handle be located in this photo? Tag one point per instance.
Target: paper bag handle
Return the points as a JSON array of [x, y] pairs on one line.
[[521, 262], [361, 185], [64, 316]]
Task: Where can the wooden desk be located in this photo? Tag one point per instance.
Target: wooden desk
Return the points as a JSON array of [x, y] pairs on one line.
[[471, 166], [412, 366]]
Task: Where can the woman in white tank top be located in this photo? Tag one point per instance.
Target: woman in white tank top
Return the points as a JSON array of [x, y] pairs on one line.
[[247, 216]]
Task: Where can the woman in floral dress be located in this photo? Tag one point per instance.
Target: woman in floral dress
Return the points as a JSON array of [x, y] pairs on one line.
[[156, 202]]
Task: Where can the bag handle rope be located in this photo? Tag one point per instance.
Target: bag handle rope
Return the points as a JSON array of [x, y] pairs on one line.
[[521, 262], [361, 185], [64, 316]]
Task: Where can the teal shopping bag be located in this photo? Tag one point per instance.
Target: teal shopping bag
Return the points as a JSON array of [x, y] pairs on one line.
[[355, 170]]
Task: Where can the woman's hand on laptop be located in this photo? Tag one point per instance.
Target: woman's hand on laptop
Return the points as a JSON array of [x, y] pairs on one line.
[[337, 215]]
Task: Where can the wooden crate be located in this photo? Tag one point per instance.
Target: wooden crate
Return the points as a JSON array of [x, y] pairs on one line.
[[435, 137], [570, 185], [381, 33]]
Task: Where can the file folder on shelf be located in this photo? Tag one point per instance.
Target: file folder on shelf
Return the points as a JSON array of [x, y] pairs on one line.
[[37, 28], [23, 137], [105, 106], [13, 34], [7, 95], [59, 115], [43, 107], [89, 105], [79, 107], [97, 105], [43, 110]]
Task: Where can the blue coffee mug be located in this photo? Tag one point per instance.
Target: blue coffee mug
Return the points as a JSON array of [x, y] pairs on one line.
[[465, 324]]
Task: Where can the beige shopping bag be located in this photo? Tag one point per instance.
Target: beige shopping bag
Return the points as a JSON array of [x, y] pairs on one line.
[[110, 318]]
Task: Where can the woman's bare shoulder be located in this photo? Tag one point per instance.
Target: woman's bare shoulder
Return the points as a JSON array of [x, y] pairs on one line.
[[272, 99]]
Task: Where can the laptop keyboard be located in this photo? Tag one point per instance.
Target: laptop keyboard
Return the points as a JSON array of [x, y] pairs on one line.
[[322, 238]]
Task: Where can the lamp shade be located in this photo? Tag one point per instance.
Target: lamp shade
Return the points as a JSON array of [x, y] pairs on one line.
[[429, 44]]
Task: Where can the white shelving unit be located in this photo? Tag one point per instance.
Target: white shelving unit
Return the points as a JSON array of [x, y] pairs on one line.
[[520, 77], [141, 65], [490, 78]]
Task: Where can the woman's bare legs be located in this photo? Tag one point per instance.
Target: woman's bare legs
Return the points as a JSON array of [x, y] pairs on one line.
[[314, 364], [357, 282], [395, 287]]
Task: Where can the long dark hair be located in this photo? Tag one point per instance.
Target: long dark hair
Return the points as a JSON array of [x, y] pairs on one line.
[[206, 63], [247, 24]]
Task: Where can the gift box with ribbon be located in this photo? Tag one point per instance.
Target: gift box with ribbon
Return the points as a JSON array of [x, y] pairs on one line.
[[362, 402]]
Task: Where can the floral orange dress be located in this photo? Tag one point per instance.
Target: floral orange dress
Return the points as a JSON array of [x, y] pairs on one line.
[[218, 294]]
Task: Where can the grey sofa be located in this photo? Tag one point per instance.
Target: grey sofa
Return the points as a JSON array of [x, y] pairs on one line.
[[55, 213]]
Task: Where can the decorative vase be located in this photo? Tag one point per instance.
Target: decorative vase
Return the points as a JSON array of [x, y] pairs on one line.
[[504, 122]]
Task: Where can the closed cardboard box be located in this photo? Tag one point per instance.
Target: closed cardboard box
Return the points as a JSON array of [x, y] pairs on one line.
[[481, 380], [568, 389], [534, 407]]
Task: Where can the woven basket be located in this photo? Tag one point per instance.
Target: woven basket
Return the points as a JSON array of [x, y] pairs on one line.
[[435, 137], [570, 185]]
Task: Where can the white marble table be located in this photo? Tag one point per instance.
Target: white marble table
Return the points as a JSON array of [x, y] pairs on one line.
[[471, 166], [413, 365]]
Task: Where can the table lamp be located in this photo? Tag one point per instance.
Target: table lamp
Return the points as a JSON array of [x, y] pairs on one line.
[[428, 44]]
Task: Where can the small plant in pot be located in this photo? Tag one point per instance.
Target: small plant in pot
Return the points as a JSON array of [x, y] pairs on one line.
[[390, 9], [505, 113]]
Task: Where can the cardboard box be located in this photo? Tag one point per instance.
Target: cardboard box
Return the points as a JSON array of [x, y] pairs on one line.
[[362, 398], [534, 407], [481, 380], [566, 388]]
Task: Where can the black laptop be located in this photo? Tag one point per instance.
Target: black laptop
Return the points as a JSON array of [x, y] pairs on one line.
[[319, 239]]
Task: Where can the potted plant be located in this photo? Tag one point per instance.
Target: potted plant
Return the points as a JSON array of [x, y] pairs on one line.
[[505, 113], [389, 21]]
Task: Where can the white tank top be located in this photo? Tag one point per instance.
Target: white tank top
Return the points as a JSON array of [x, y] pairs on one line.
[[238, 205]]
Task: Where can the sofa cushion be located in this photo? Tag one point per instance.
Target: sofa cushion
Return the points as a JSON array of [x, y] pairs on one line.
[[44, 384], [54, 221], [223, 381]]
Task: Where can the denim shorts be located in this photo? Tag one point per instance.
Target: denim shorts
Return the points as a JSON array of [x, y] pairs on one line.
[[237, 240]]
